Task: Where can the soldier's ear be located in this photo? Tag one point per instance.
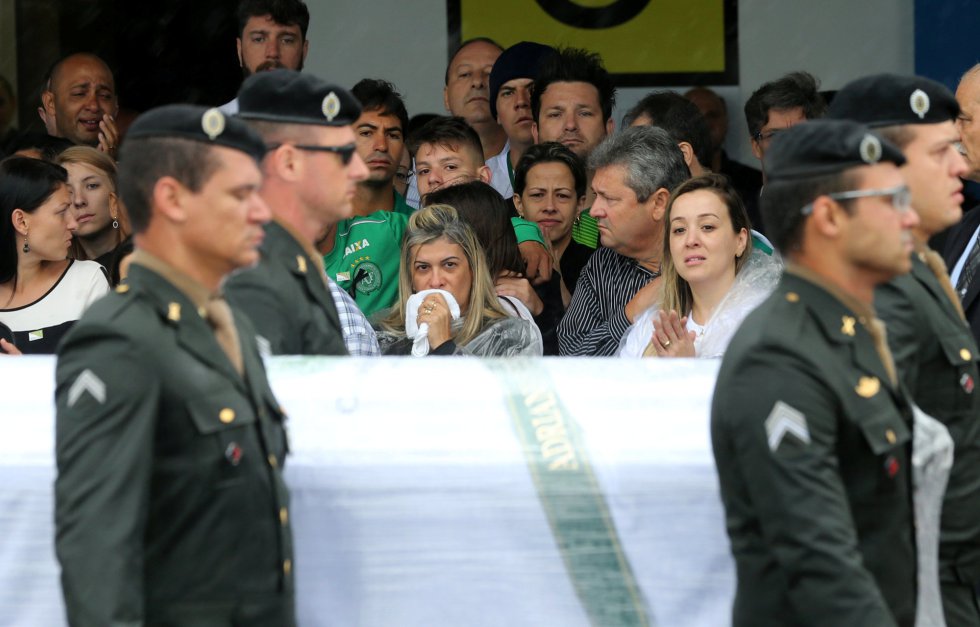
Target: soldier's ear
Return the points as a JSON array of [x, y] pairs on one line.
[[170, 199], [827, 217], [283, 163]]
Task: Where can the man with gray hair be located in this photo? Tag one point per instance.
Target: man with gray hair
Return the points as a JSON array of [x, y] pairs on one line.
[[635, 172]]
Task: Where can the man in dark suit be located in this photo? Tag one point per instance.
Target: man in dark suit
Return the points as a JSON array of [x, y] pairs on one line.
[[311, 174], [170, 507], [962, 240], [810, 429]]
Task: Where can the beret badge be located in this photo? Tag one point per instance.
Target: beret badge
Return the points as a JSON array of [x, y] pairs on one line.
[[870, 149], [919, 101], [213, 123], [331, 106]]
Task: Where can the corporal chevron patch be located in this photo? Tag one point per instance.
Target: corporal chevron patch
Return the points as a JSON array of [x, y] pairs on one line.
[[785, 420], [86, 382]]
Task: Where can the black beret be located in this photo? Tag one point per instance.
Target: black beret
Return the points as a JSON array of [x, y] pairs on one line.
[[296, 98], [892, 99], [522, 60], [209, 126], [822, 147]]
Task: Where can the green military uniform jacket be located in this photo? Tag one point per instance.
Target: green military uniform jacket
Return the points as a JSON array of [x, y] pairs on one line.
[[287, 299], [170, 508], [812, 446], [936, 356]]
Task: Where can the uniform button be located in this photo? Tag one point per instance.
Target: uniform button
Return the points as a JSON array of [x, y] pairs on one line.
[[226, 415], [890, 436], [793, 297], [122, 288], [273, 461], [287, 567], [965, 354], [202, 311], [283, 516]]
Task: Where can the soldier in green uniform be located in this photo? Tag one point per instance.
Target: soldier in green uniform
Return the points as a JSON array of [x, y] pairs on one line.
[[170, 507], [310, 176], [810, 430], [935, 352]]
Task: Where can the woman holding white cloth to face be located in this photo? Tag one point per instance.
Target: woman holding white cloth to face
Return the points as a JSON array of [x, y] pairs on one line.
[[441, 252]]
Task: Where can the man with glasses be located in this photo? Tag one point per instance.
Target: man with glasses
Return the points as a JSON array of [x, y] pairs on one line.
[[778, 105], [310, 176], [935, 352], [810, 428]]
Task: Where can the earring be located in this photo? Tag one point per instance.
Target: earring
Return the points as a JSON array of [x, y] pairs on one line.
[[115, 223], [27, 247]]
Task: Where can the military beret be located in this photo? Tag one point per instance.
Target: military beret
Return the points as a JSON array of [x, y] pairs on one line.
[[822, 147], [208, 126], [522, 60], [892, 99], [296, 98]]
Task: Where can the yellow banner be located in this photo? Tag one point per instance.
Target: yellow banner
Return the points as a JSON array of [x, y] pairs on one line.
[[633, 36]]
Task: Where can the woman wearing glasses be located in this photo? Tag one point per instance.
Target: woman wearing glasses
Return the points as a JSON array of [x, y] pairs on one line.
[[711, 278]]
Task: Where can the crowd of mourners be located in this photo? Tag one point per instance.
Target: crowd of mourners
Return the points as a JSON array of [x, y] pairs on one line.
[[530, 222]]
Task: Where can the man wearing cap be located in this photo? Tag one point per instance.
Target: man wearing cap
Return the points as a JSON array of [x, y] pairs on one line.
[[511, 79], [311, 173], [935, 353], [810, 430], [170, 508]]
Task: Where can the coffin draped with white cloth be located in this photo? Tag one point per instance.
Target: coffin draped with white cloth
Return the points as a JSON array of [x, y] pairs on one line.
[[451, 491]]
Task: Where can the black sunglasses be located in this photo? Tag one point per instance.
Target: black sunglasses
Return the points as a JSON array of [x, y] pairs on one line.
[[345, 152]]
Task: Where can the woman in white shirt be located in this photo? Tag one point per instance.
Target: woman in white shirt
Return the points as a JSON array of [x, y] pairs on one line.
[[42, 292], [711, 277]]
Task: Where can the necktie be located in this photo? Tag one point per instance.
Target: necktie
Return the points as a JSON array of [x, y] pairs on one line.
[[220, 318], [876, 329], [969, 268], [935, 263]]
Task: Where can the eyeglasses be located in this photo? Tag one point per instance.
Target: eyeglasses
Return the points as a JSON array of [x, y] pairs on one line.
[[901, 198], [345, 152]]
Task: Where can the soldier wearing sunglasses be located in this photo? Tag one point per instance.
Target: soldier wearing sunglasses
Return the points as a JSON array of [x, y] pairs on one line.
[[310, 176]]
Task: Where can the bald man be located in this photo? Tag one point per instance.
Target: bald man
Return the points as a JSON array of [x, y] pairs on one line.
[[80, 102]]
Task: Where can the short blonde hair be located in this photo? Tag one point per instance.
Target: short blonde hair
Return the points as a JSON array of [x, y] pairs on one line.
[[428, 225]]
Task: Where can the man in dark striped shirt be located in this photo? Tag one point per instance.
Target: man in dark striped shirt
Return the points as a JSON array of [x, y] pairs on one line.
[[634, 173]]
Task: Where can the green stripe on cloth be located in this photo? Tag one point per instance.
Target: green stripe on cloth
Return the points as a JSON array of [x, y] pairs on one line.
[[585, 230], [571, 497]]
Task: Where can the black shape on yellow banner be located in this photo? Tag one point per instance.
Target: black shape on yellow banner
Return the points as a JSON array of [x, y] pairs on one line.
[[573, 14]]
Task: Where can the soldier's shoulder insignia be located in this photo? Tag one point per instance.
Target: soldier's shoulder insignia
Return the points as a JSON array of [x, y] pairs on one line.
[[301, 263], [847, 325], [173, 312], [122, 288], [867, 387], [785, 420], [86, 382]]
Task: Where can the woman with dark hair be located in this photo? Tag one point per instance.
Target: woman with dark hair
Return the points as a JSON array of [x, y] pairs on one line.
[[712, 278], [483, 208], [445, 286], [549, 189], [103, 228], [42, 291]]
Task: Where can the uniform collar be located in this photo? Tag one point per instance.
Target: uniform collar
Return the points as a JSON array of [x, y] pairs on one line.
[[862, 309], [194, 291]]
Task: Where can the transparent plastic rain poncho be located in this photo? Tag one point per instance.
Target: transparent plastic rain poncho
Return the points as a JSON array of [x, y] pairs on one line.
[[504, 337], [752, 285]]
